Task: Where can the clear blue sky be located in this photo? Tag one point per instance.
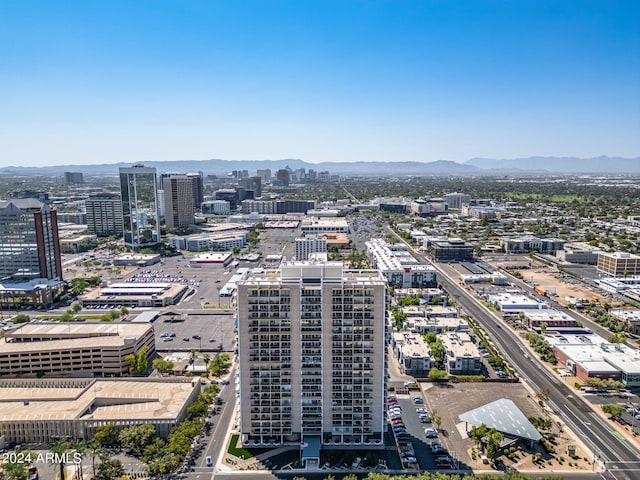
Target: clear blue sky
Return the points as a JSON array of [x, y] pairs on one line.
[[135, 80]]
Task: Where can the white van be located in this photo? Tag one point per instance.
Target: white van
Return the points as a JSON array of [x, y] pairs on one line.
[[208, 461]]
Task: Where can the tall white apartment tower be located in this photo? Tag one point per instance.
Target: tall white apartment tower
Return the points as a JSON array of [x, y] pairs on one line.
[[308, 245], [311, 339]]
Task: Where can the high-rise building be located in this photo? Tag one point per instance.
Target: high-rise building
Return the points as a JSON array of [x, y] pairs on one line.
[[179, 201], [283, 176], [230, 195], [312, 356], [141, 219], [308, 245], [252, 183], [29, 243], [197, 184], [73, 178], [264, 174], [456, 200], [104, 215]]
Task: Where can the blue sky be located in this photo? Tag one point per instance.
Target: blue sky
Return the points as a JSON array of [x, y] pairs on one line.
[[121, 80]]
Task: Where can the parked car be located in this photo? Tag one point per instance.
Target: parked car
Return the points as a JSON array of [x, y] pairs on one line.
[[431, 433]]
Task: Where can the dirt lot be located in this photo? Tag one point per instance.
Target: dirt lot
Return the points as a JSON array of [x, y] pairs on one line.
[[454, 399]]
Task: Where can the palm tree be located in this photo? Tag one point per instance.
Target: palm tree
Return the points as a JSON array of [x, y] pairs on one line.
[[95, 449], [80, 447], [60, 447], [193, 355], [207, 358]]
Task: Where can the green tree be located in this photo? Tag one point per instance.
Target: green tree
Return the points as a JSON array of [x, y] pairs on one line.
[[614, 410], [494, 438], [107, 434], [138, 362], [94, 448], [138, 437], [436, 418], [438, 351], [80, 447], [76, 307], [162, 365], [436, 374], [21, 318], [219, 364], [65, 317], [109, 468], [193, 356], [477, 434], [60, 447], [18, 470]]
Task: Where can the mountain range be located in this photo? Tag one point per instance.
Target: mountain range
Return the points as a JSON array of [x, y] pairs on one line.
[[473, 167]]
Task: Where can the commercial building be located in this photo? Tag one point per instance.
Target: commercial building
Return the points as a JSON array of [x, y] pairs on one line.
[[283, 177], [311, 343], [551, 317], [29, 293], [428, 207], [252, 184], [527, 244], [591, 356], [39, 411], [515, 303], [211, 259], [456, 200], [180, 201], [322, 225], [277, 207], [335, 239], [29, 243], [578, 253], [631, 316], [398, 266], [134, 295], [215, 207], [209, 241], [77, 243], [73, 178], [137, 259], [140, 215], [619, 264], [451, 250], [308, 245], [104, 215], [73, 349], [229, 195]]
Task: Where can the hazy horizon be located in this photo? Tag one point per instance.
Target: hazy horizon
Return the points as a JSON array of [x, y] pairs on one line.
[[419, 80]]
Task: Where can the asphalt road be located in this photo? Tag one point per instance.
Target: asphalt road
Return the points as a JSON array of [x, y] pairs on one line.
[[619, 456], [621, 459]]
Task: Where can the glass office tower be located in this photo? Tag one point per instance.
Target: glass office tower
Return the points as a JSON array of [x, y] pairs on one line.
[[141, 219]]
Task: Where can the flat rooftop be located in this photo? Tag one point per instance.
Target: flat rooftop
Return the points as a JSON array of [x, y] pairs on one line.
[[106, 400]]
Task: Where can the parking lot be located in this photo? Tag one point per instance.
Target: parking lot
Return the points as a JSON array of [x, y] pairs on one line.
[[206, 332], [416, 437], [450, 400]]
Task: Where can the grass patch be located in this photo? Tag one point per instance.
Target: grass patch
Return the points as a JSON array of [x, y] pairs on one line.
[[238, 451]]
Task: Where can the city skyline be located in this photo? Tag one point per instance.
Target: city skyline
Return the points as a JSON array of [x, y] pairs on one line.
[[91, 83]]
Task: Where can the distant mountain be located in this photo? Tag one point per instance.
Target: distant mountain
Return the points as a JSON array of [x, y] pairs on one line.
[[223, 167], [601, 164], [475, 166]]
